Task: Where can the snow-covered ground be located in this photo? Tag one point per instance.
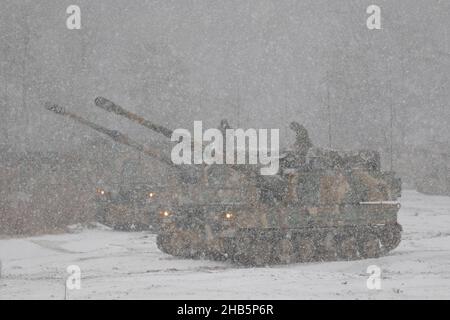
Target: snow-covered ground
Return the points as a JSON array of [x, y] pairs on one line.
[[120, 265]]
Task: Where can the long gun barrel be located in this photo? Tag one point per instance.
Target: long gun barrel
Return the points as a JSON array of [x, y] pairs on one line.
[[113, 134], [112, 107]]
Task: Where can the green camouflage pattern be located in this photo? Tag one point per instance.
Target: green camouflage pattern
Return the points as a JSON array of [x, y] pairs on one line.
[[323, 204]]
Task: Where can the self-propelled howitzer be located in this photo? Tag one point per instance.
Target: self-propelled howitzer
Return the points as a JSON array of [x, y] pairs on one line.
[[130, 205], [322, 205]]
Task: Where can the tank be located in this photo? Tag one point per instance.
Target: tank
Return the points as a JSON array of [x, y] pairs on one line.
[[127, 206], [314, 212], [322, 205], [130, 205]]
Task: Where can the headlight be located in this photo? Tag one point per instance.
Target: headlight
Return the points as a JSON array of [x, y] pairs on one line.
[[151, 195], [101, 191], [229, 216], [165, 213]]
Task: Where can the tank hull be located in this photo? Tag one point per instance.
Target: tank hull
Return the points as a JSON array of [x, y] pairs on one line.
[[367, 232]]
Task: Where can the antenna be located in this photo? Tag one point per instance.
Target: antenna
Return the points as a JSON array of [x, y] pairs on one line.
[[285, 117], [391, 130], [330, 144], [238, 106]]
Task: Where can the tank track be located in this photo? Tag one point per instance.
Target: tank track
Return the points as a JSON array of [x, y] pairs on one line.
[[267, 247]]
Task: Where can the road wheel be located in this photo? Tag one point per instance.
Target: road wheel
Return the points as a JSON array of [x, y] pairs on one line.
[[370, 246], [348, 248], [190, 244], [391, 237], [240, 249], [162, 242], [261, 252], [330, 245], [306, 250], [285, 251]]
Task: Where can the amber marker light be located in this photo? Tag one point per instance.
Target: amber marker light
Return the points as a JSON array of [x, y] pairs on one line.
[[165, 213], [229, 215]]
